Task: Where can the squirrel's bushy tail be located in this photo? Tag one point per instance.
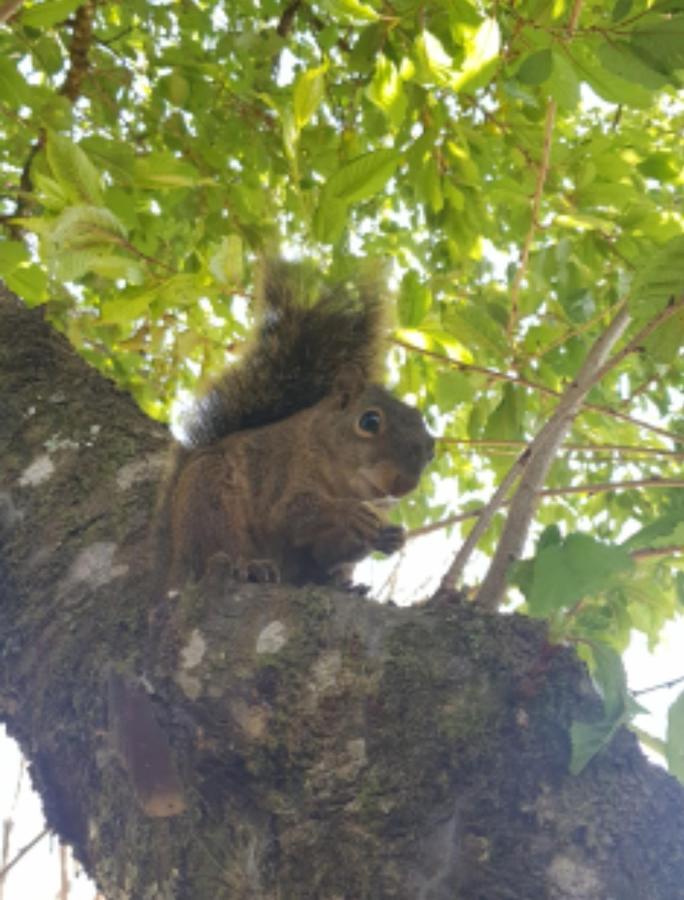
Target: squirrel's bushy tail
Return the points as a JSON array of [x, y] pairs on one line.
[[298, 350]]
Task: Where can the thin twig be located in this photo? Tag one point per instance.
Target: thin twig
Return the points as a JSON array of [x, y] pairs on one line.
[[636, 344], [658, 687], [655, 552], [542, 174], [541, 453], [512, 445], [542, 389], [22, 853], [599, 487]]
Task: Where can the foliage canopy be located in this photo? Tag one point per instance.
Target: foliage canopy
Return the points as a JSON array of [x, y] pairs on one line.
[[520, 163]]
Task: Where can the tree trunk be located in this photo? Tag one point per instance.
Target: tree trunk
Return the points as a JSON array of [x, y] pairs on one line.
[[241, 741]]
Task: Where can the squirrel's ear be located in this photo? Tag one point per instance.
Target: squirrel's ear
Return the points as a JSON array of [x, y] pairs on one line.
[[348, 384]]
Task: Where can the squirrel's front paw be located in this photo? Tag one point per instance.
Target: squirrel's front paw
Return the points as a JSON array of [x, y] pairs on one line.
[[261, 571], [390, 539]]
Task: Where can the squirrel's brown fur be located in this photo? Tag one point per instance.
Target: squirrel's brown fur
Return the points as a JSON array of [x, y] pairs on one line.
[[292, 448]]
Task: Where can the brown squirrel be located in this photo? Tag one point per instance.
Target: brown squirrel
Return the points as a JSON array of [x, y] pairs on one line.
[[291, 450]]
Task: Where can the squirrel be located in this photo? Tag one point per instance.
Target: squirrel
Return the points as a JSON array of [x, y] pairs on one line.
[[289, 454]]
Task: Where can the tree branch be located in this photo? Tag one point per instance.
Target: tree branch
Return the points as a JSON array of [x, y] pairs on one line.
[[598, 487], [542, 389], [542, 175], [22, 853], [541, 452]]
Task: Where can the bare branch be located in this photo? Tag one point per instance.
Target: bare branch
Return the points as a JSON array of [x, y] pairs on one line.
[[542, 175], [512, 446], [542, 389], [8, 9], [22, 853], [541, 453], [599, 487], [655, 552], [659, 687]]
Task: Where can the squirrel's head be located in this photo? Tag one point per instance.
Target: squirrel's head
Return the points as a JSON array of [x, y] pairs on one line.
[[380, 444]]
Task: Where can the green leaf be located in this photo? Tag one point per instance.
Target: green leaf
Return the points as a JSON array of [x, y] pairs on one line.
[[476, 329], [84, 226], [674, 742], [434, 63], [308, 92], [164, 170], [452, 389], [611, 680], [72, 170], [363, 176], [618, 57], [504, 423], [330, 219], [12, 82], [481, 56], [415, 300], [350, 10], [49, 13], [11, 254], [564, 83], [587, 739], [536, 68], [661, 41], [30, 283], [659, 279], [607, 85], [125, 310], [578, 567], [226, 262], [386, 90]]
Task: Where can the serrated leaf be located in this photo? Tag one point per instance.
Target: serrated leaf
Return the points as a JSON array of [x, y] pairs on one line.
[[164, 170], [386, 90], [660, 278], [674, 742], [587, 739], [226, 262], [50, 193], [28, 282], [607, 85], [434, 63], [415, 300], [363, 176], [73, 171], [611, 680], [330, 219], [309, 90], [565, 573], [49, 13], [452, 389], [504, 423], [536, 68], [85, 226], [481, 54], [12, 253], [476, 329], [661, 41], [351, 10], [125, 310], [564, 84], [12, 82], [619, 57], [665, 531]]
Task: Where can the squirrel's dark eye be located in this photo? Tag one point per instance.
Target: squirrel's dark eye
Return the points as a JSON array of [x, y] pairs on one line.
[[370, 421]]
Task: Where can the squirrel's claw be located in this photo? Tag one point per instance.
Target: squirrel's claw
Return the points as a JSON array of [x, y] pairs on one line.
[[390, 539]]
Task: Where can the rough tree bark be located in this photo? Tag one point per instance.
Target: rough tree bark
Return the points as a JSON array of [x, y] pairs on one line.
[[249, 742]]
